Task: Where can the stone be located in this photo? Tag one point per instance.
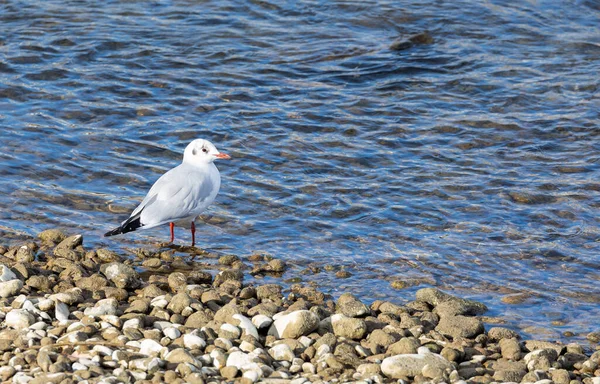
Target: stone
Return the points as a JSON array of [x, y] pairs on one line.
[[348, 327], [25, 254], [294, 324], [191, 341], [368, 370], [350, 306], [499, 333], [240, 359], [460, 326], [510, 349], [199, 319], [107, 256], [229, 372], [67, 248], [532, 345], [150, 347], [19, 319], [103, 307], [10, 288], [560, 376], [406, 345], [509, 371], [179, 302], [122, 275], [6, 274], [246, 325], [411, 365], [282, 352], [54, 236], [448, 305], [235, 275], [39, 282], [262, 321], [269, 292], [61, 312], [180, 355]]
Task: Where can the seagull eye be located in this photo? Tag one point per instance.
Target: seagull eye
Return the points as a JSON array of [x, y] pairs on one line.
[[204, 150]]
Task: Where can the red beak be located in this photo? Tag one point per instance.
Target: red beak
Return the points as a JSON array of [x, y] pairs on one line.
[[222, 156]]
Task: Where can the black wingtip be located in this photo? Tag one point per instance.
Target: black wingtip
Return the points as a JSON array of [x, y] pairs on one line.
[[129, 225]]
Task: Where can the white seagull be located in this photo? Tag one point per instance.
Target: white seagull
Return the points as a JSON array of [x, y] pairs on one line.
[[181, 194]]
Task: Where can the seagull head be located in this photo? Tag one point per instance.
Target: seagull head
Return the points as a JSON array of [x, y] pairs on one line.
[[201, 151]]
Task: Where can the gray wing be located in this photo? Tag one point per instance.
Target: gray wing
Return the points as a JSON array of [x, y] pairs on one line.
[[181, 193]]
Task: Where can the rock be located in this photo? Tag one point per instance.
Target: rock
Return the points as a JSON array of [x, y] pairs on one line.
[[61, 312], [6, 372], [350, 306], [179, 302], [191, 341], [103, 307], [54, 236], [229, 372], [540, 359], [368, 370], [499, 333], [294, 324], [39, 282], [122, 275], [25, 254], [269, 292], [10, 288], [246, 325], [509, 371], [448, 305], [411, 365], [228, 275], [19, 319], [199, 319], [240, 359], [150, 347], [381, 338], [406, 345], [510, 349], [67, 248], [560, 376], [282, 352], [532, 345], [107, 256], [180, 355], [6, 274], [262, 321], [569, 359], [460, 326], [348, 327], [177, 281]]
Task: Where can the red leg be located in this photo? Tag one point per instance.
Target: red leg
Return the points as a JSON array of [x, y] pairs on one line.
[[172, 227], [193, 233]]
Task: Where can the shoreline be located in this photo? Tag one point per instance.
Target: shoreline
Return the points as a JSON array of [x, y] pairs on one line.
[[76, 315]]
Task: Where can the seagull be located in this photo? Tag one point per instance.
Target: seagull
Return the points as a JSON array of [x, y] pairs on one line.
[[181, 194]]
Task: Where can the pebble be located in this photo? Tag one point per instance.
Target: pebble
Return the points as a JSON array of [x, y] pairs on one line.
[[118, 326]]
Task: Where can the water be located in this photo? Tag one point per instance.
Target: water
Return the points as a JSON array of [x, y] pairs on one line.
[[470, 163]]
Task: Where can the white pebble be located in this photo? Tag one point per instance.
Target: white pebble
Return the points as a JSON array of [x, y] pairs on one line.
[[150, 347], [191, 341], [61, 312], [172, 333]]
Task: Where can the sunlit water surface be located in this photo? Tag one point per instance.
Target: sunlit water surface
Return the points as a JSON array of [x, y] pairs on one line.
[[469, 162]]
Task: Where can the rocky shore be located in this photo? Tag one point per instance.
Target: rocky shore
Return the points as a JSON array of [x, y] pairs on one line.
[[72, 315]]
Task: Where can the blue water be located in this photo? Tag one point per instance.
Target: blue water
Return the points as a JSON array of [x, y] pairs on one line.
[[470, 162]]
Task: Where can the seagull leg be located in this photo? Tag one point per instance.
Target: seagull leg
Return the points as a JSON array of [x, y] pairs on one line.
[[193, 229], [172, 227]]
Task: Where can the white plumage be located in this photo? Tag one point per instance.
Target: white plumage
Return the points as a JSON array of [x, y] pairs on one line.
[[181, 194]]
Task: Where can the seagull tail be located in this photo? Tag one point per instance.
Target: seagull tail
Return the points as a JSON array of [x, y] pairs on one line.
[[128, 225]]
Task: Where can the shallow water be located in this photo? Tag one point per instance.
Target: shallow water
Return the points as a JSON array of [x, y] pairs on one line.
[[469, 163]]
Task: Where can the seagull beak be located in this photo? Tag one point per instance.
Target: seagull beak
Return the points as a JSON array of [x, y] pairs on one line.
[[222, 156]]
